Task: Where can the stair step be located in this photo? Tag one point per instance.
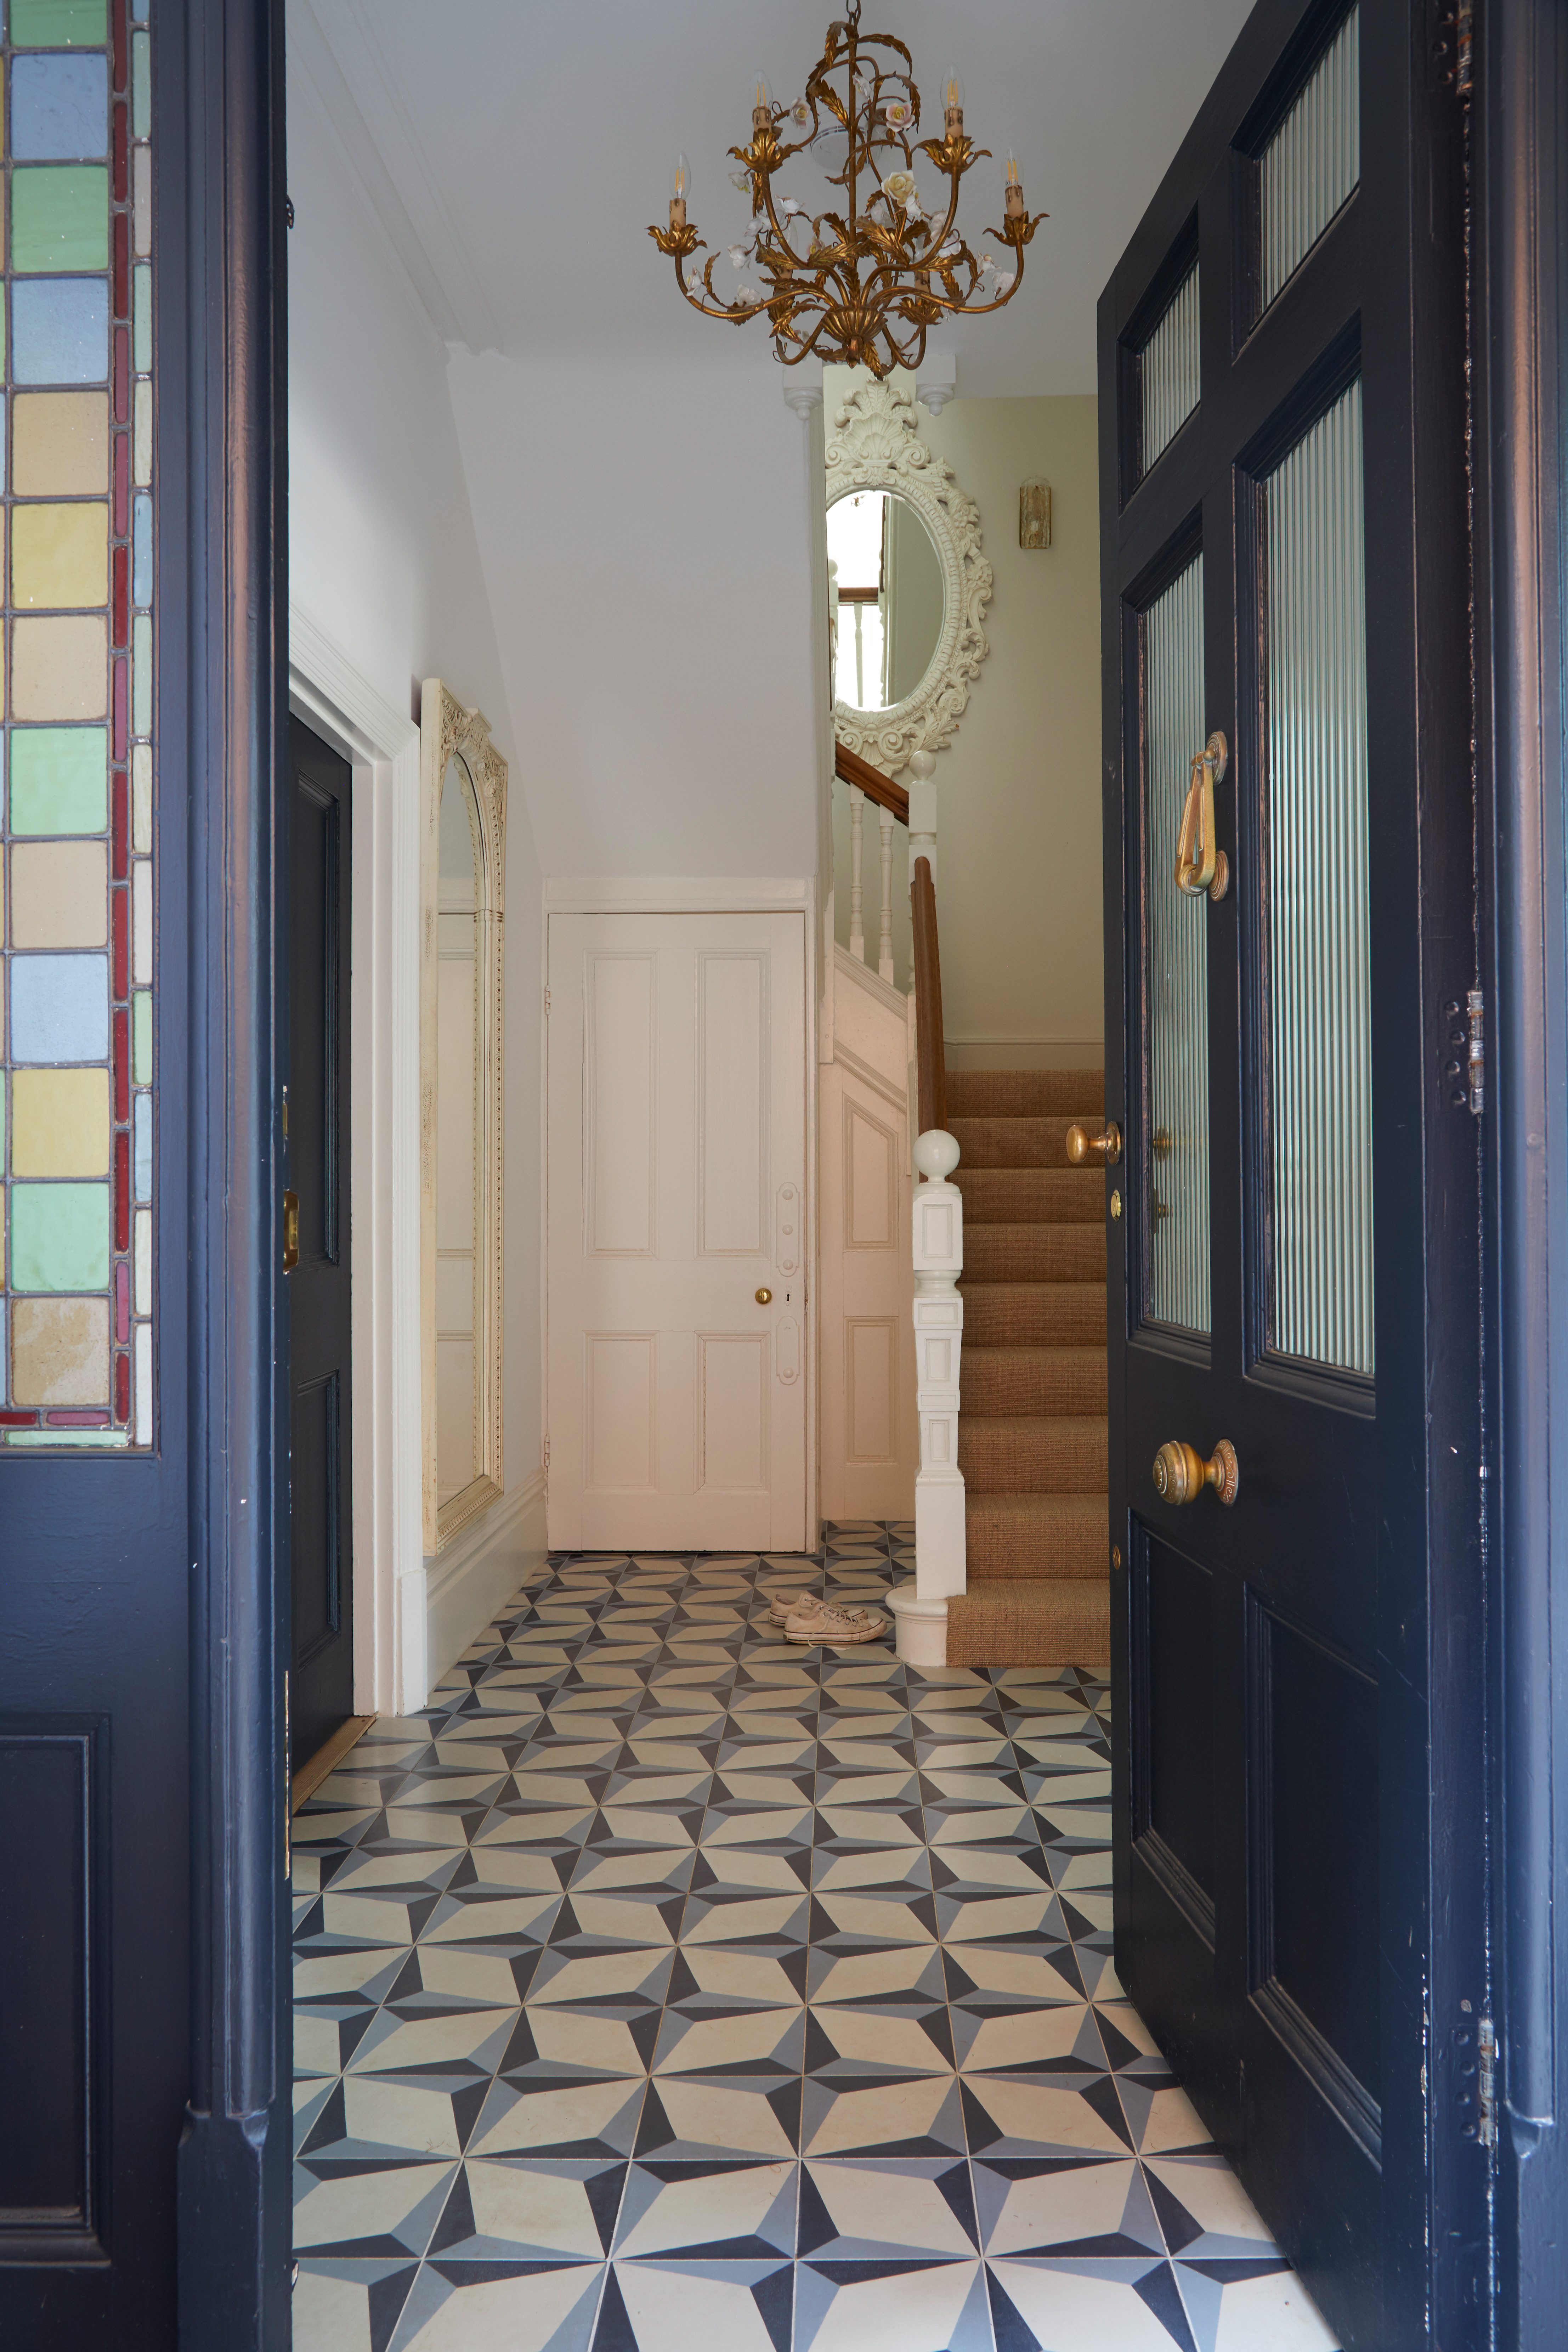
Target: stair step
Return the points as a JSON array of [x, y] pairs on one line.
[[1034, 1380], [1063, 1623], [1014, 1142], [1024, 1094], [1032, 1315], [1031, 1253], [1032, 1454], [1014, 1538], [994, 1196]]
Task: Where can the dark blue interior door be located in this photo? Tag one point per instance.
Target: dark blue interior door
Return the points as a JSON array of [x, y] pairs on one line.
[[1295, 1439]]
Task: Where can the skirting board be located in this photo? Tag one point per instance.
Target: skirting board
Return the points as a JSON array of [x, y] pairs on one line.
[[1022, 1053], [477, 1575]]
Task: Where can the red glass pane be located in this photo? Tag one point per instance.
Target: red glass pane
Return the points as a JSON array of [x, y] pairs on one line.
[[121, 380], [122, 1191], [119, 841], [122, 1066], [122, 152], [121, 484], [123, 265], [121, 593], [120, 934], [121, 1388], [121, 705]]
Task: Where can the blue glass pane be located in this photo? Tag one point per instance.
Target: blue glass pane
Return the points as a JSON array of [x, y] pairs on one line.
[[144, 1147], [59, 107], [59, 331], [59, 1008], [142, 573]]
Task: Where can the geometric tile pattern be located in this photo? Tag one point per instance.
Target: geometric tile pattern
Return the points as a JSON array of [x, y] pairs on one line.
[[664, 1986], [77, 900]]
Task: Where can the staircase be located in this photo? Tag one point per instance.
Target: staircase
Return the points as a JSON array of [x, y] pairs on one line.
[[1032, 1429]]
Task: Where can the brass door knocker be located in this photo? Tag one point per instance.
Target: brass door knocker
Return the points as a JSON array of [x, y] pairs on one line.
[[1200, 866]]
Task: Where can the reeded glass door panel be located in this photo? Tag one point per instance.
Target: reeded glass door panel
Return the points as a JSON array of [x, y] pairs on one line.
[[1317, 969], [1312, 164], [1176, 1165], [1168, 372]]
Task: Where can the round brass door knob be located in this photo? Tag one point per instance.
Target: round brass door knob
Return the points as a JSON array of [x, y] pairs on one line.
[[1180, 1474], [1080, 1144], [764, 1298]]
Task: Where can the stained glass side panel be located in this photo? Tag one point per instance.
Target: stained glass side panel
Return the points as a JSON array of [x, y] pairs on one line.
[[1318, 925], [76, 806], [1176, 1177]]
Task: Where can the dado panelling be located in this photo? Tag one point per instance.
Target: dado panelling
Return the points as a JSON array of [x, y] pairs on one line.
[[79, 903]]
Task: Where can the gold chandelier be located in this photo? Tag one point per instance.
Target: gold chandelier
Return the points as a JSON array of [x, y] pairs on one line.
[[874, 278]]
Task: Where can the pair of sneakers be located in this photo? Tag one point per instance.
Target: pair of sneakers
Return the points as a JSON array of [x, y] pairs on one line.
[[806, 1619]]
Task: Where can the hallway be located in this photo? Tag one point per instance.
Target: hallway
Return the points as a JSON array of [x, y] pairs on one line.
[[666, 1987]]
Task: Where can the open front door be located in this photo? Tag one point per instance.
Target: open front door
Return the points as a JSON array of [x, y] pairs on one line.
[[1294, 1446]]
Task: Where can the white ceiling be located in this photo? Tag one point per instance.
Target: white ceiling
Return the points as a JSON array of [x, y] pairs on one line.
[[514, 152]]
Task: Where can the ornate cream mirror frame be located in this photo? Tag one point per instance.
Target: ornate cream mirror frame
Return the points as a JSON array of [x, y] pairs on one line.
[[460, 1485], [875, 446]]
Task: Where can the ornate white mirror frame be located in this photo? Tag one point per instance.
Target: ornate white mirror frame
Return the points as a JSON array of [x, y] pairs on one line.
[[875, 446], [448, 731]]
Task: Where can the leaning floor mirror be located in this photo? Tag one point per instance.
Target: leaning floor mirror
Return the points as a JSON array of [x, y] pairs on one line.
[[462, 836]]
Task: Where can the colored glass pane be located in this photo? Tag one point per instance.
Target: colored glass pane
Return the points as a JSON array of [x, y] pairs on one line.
[[78, 807]]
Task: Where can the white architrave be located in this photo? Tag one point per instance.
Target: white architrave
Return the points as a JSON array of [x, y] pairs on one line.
[[447, 727], [341, 705], [874, 445]]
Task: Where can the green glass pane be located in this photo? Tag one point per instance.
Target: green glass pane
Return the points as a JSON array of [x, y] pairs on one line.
[[60, 24], [142, 675], [59, 778], [60, 1236], [141, 87], [141, 1037], [59, 217], [76, 1437], [143, 273]]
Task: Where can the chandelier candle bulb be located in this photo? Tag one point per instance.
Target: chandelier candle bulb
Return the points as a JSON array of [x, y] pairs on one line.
[[762, 104], [952, 103], [679, 191], [1015, 189]]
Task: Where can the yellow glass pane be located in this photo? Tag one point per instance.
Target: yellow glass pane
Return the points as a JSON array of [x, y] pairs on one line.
[[59, 1351], [60, 1123], [59, 444], [60, 555], [59, 894], [59, 668]]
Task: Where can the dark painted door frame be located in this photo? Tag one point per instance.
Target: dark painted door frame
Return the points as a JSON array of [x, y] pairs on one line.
[[1520, 316], [228, 318]]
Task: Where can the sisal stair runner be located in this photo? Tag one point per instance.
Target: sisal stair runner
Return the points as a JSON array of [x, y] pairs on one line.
[[1032, 1431]]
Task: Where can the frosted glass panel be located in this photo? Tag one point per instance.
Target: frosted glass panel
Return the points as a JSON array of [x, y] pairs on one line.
[[1177, 1174], [1313, 160], [1168, 371], [1320, 1021]]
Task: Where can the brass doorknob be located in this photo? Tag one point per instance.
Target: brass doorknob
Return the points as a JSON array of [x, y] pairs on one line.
[[764, 1298], [1180, 1474], [1080, 1145]]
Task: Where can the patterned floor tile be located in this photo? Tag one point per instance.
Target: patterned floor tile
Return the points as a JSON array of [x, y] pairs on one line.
[[665, 1985]]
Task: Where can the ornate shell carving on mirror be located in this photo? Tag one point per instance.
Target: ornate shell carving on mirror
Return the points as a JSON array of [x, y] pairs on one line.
[[462, 849], [874, 445]]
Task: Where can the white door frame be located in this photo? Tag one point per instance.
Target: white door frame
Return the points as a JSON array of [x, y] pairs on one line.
[[382, 747], [699, 894]]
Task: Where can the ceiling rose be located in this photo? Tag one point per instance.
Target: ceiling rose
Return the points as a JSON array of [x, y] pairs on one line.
[[866, 282]]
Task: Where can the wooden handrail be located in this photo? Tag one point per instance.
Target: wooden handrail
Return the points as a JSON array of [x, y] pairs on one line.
[[931, 1073], [876, 786]]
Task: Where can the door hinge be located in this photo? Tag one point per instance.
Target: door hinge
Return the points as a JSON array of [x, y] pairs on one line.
[[547, 1453], [1486, 2082], [1477, 1005], [547, 1004]]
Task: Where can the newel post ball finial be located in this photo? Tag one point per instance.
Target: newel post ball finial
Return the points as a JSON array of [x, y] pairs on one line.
[[937, 1154]]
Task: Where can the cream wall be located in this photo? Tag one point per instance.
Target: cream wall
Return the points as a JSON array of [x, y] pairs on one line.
[[1018, 894], [384, 560]]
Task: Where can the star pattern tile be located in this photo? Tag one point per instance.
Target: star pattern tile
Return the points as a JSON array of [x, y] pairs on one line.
[[665, 1987]]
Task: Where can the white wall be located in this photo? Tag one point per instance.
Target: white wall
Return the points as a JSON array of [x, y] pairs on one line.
[[646, 540], [382, 557]]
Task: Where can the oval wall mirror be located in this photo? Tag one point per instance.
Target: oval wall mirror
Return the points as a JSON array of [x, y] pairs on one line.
[[907, 582]]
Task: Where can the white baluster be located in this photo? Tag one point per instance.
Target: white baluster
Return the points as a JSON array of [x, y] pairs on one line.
[[885, 942], [940, 1568], [857, 919]]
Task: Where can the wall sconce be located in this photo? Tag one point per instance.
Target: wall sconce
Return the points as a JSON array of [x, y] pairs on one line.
[[1035, 515]]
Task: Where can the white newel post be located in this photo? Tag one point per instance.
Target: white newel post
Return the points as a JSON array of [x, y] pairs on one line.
[[857, 912], [885, 935], [940, 1548], [922, 810]]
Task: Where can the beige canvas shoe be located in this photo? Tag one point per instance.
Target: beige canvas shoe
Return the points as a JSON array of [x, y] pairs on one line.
[[814, 1621]]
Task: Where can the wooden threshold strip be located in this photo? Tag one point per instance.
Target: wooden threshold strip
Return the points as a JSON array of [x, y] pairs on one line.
[[312, 1773]]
